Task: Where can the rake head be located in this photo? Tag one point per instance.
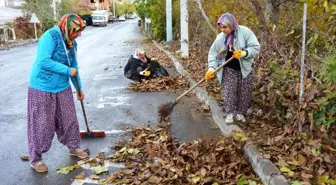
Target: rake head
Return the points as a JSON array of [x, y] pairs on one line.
[[165, 110]]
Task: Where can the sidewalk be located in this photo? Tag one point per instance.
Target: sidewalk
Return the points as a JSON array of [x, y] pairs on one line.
[[265, 169], [17, 43]]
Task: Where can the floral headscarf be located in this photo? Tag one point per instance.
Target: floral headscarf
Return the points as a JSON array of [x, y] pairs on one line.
[[69, 25], [226, 19]]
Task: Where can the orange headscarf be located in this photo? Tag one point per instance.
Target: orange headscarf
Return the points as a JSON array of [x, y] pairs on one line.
[[69, 25]]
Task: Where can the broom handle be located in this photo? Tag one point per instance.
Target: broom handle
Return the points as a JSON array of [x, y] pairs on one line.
[[201, 81], [78, 93]]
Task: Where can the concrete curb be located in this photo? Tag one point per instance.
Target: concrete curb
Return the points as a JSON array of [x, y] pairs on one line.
[[264, 168], [24, 43]]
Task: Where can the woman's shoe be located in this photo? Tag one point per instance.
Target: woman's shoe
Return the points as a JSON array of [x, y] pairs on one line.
[[229, 118], [39, 166], [240, 117], [79, 153]]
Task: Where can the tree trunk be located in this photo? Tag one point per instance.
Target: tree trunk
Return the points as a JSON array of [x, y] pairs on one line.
[[268, 10], [256, 7], [205, 16], [275, 12]]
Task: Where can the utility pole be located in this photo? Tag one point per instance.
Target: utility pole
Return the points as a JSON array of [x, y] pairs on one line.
[[54, 7], [184, 29], [114, 8], [169, 20], [303, 56]]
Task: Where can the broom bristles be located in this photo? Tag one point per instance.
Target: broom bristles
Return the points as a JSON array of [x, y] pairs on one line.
[[92, 134], [165, 110]]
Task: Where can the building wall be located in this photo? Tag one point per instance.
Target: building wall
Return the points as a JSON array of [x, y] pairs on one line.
[[2, 3], [13, 3], [91, 4]]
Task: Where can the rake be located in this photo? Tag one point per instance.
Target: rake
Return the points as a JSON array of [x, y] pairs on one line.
[[166, 109]]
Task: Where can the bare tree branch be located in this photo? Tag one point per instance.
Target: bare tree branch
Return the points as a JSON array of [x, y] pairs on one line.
[[205, 16]]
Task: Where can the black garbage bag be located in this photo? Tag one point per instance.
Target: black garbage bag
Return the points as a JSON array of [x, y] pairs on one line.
[[157, 70]]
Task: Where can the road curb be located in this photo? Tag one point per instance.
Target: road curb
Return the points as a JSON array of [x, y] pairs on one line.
[[264, 168], [24, 43]]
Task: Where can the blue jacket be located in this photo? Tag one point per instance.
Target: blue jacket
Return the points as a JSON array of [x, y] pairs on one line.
[[51, 69]]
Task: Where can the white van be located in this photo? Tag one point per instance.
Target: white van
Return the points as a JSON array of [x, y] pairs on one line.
[[100, 18]]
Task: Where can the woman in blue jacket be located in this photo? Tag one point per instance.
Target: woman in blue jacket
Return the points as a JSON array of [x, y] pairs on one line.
[[241, 43], [51, 106]]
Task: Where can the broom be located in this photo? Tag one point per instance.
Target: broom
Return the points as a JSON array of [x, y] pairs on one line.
[[88, 133], [166, 109]]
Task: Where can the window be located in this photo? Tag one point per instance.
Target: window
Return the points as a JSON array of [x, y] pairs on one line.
[[92, 1], [101, 1]]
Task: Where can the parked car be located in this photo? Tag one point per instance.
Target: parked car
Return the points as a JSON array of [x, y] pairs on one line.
[[122, 18], [112, 19], [132, 16]]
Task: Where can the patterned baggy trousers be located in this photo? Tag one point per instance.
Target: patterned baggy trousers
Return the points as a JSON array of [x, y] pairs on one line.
[[49, 113], [237, 91]]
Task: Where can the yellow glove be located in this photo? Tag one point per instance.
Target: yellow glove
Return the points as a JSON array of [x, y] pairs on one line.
[[210, 74], [239, 53], [145, 72], [153, 59]]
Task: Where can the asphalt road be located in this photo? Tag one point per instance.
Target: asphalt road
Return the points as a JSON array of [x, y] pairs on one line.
[[109, 104]]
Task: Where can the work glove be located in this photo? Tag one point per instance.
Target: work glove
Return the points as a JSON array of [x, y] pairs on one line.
[[145, 72], [210, 74], [153, 59], [239, 53]]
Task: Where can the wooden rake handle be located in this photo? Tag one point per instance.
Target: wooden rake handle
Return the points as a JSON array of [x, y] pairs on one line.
[[78, 93], [201, 81]]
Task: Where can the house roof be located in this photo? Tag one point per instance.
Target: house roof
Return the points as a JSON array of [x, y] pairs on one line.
[[9, 14]]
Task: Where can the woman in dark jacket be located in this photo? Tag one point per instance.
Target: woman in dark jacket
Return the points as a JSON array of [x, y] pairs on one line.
[[140, 68]]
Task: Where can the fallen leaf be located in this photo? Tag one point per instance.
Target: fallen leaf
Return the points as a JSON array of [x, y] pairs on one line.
[[67, 169], [203, 172], [316, 152], [80, 176], [267, 156], [285, 169], [94, 177], [252, 182], [100, 169], [195, 179], [242, 181], [240, 136], [296, 183], [111, 178], [24, 157], [102, 181], [150, 149], [306, 176], [154, 179]]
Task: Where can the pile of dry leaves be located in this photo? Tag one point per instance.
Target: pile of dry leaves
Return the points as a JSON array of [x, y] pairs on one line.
[[153, 156], [153, 52], [166, 83], [305, 159]]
